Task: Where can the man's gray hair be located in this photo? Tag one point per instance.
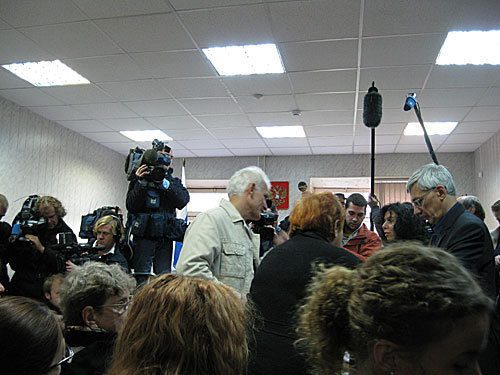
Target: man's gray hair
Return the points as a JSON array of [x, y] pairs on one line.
[[431, 175], [4, 203], [240, 180], [470, 201], [91, 285]]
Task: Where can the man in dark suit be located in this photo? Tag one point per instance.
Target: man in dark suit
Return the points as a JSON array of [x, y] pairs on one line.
[[459, 232]]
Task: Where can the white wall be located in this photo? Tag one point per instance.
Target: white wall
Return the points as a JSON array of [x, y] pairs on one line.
[[41, 157], [302, 168], [487, 176]]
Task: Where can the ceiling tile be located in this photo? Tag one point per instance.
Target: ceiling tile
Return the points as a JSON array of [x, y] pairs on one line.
[[491, 96], [174, 122], [286, 142], [128, 124], [10, 81], [147, 33], [194, 87], [210, 106], [468, 147], [274, 119], [384, 129], [202, 144], [391, 99], [339, 54], [449, 97], [21, 13], [337, 101], [174, 64], [78, 94], [328, 130], [122, 148], [153, 108], [84, 126], [326, 117], [484, 114], [107, 68], [259, 151], [391, 116], [29, 97], [218, 152], [380, 140], [236, 134], [324, 81], [305, 20], [184, 154], [401, 50], [331, 141], [243, 143], [386, 17], [184, 136], [59, 112], [76, 39], [107, 137], [265, 84], [468, 138], [15, 47], [270, 103], [233, 26], [461, 76], [114, 8], [105, 110], [292, 151], [332, 150], [419, 139], [477, 127], [418, 148], [393, 78], [203, 4], [224, 121], [135, 90], [383, 149]]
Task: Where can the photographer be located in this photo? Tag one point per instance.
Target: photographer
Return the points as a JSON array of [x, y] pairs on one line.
[[35, 256], [267, 227], [152, 198]]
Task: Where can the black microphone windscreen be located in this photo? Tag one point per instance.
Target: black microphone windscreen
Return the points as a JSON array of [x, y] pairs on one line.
[[150, 157], [372, 108]]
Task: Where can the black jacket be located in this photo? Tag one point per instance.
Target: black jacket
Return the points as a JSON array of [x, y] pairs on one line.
[[5, 230], [32, 267], [467, 237], [277, 289]]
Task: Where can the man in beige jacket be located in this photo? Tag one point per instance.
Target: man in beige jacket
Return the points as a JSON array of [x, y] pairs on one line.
[[219, 245]]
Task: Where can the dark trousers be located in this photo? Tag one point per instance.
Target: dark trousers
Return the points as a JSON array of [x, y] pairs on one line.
[[149, 252]]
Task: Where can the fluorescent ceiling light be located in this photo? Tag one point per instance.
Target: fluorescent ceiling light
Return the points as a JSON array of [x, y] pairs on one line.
[[244, 60], [281, 131], [146, 135], [46, 73], [470, 47], [432, 128]]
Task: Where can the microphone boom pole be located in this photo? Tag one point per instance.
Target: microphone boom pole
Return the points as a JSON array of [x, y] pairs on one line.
[[426, 136]]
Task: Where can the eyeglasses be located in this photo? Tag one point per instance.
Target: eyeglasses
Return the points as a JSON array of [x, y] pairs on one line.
[[417, 202], [68, 356], [119, 308]]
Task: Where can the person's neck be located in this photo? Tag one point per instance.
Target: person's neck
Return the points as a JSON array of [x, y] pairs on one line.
[[448, 203], [104, 252], [238, 202], [348, 231]]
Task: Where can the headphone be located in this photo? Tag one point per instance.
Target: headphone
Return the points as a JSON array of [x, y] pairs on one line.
[[119, 229]]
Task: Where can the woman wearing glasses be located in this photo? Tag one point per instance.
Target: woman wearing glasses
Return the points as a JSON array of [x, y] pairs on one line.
[[32, 341], [94, 301]]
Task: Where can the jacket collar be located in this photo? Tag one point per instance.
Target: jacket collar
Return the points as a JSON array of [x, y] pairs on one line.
[[448, 221], [233, 213]]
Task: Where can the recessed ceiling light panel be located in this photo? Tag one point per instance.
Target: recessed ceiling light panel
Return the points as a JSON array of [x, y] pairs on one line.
[[46, 73], [470, 47], [145, 135], [245, 60], [281, 131], [432, 128]]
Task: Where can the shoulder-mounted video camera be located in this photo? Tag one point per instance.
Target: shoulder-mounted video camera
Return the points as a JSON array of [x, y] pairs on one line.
[[27, 221], [152, 158], [76, 252], [89, 220]]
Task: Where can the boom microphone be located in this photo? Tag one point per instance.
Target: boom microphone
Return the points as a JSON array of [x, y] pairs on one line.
[[411, 100], [372, 107]]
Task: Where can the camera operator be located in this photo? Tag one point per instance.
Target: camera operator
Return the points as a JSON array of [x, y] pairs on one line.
[[152, 198], [5, 230], [35, 256], [110, 235], [271, 234]]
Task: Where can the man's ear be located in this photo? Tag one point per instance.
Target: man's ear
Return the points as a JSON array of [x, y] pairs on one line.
[[47, 296], [250, 188], [441, 191], [88, 316], [385, 354]]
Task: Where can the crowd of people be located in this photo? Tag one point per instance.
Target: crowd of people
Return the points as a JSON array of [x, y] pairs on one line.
[[325, 295]]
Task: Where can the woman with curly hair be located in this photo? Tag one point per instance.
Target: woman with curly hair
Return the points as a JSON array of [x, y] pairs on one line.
[[399, 223], [407, 310], [183, 326]]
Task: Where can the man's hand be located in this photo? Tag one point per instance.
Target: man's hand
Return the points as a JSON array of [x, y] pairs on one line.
[[373, 201], [36, 242], [70, 266], [2, 288], [142, 171], [497, 261], [280, 237]]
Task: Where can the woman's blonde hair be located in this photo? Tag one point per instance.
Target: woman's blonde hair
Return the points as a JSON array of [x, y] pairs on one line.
[[179, 325], [408, 294]]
